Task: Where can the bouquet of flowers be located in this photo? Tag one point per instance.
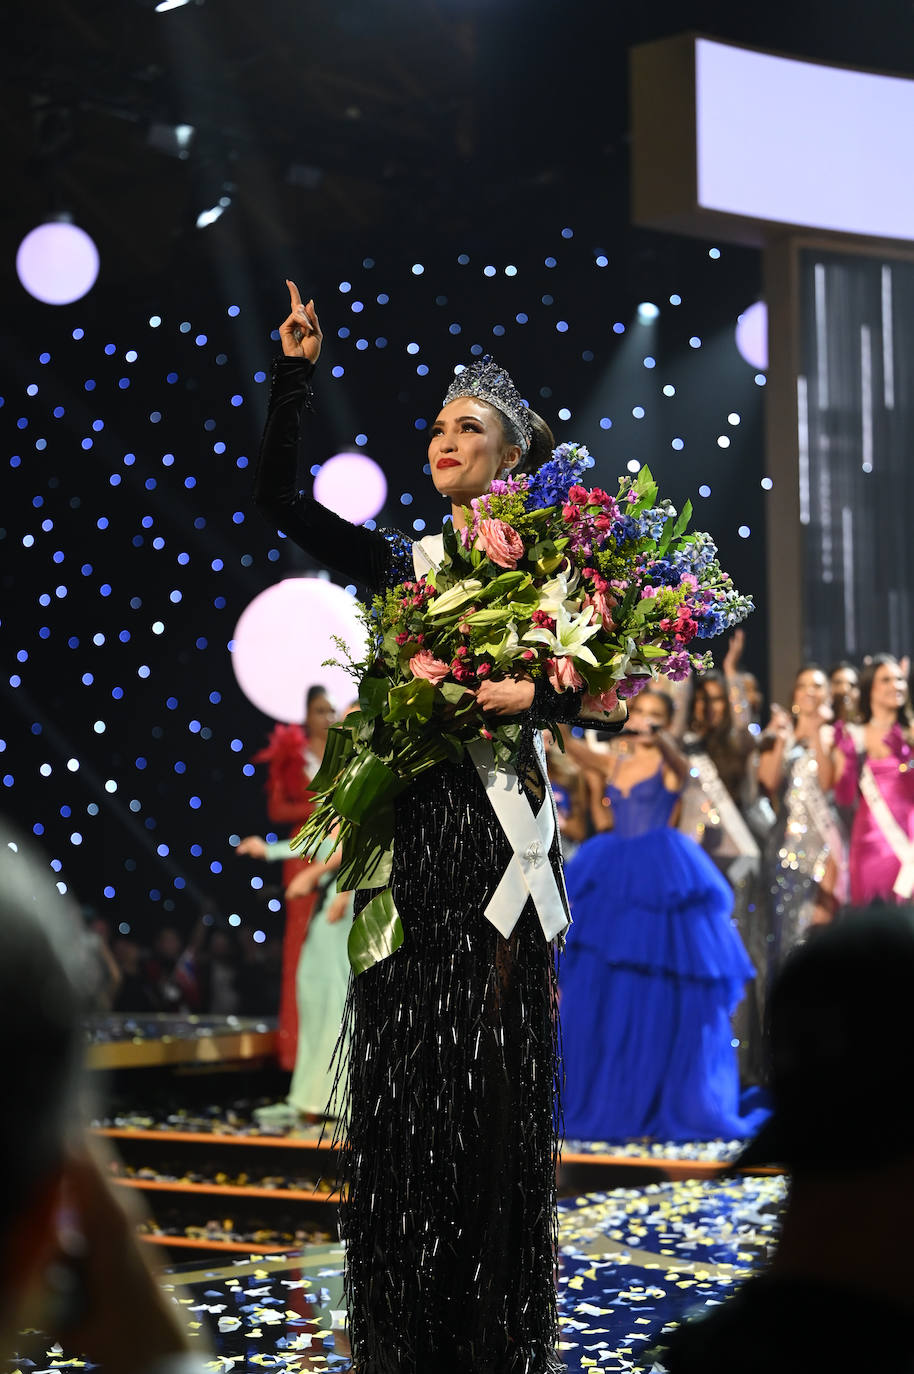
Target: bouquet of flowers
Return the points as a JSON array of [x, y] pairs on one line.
[[598, 593]]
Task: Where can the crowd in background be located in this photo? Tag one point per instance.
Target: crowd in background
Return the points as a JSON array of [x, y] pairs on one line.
[[216, 971], [795, 807], [803, 810]]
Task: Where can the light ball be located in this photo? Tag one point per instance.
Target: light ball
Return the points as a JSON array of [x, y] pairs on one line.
[[57, 263], [352, 485], [283, 638], [752, 335]]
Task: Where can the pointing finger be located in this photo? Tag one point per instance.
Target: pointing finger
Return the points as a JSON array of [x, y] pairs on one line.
[[294, 294]]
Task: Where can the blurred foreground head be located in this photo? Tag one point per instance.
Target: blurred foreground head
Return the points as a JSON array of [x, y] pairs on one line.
[[42, 1047], [841, 1047]]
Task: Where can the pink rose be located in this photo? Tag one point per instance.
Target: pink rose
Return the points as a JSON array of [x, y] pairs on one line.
[[563, 674], [425, 665], [606, 701], [498, 541], [603, 603]]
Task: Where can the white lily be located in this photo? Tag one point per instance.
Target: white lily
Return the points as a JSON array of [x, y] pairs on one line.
[[504, 649], [458, 595], [555, 593], [570, 636]]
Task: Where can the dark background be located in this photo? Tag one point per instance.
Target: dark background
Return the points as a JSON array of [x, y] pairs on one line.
[[354, 143]]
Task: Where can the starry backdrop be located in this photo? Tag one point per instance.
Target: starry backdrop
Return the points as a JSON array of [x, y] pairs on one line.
[[131, 547]]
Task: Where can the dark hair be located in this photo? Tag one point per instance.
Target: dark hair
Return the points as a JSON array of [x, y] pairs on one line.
[[542, 440], [843, 666], [807, 668], [868, 677], [668, 704], [718, 678], [313, 693], [723, 745]]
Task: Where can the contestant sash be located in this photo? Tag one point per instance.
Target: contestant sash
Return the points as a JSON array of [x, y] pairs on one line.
[[899, 843], [706, 777], [529, 872], [530, 835]]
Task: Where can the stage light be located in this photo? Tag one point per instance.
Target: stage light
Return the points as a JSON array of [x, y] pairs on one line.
[[173, 139], [752, 335], [284, 637], [647, 312], [352, 485], [208, 217], [57, 262]]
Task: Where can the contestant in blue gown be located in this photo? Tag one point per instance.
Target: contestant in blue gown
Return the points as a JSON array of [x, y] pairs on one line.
[[654, 966]]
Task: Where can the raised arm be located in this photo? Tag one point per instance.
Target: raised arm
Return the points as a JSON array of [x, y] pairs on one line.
[[358, 553]]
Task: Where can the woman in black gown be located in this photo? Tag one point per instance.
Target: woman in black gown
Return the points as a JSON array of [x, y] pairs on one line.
[[451, 1111]]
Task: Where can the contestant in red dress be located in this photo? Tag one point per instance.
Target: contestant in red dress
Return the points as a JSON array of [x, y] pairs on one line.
[[294, 756]]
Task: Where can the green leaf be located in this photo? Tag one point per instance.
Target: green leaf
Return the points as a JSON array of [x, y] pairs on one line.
[[450, 542], [366, 784], [685, 516], [499, 615], [373, 695], [367, 857], [453, 692], [377, 932], [337, 751], [505, 584], [666, 536], [415, 698]]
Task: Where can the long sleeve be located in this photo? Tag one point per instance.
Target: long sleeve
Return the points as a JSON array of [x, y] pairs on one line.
[[551, 706], [363, 555]]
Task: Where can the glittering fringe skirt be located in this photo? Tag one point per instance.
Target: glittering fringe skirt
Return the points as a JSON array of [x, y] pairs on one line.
[[449, 1123]]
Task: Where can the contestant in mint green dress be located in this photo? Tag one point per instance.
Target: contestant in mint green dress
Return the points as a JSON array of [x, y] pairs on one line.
[[321, 983], [320, 993]]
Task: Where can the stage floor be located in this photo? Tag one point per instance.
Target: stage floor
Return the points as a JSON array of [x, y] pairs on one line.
[[633, 1261]]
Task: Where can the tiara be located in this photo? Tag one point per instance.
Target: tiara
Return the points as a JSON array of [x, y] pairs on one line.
[[485, 380]]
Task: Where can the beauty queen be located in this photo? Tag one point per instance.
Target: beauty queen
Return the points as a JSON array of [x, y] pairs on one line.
[[452, 1104]]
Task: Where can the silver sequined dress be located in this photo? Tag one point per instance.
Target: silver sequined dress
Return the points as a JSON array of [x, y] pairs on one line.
[[800, 845]]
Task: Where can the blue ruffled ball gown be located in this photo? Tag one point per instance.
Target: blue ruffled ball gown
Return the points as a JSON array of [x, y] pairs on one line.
[[654, 967]]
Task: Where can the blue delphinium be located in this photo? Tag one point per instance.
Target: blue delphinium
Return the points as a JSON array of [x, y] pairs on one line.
[[549, 485]]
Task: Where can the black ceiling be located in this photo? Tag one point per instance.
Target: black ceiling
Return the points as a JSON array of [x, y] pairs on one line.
[[332, 123]]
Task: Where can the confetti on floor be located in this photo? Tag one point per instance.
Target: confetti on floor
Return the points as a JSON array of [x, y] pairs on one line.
[[633, 1261]]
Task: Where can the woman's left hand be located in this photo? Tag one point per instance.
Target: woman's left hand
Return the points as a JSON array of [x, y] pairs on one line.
[[507, 697]]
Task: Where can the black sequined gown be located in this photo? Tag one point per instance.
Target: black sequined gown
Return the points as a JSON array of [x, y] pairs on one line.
[[451, 1107]]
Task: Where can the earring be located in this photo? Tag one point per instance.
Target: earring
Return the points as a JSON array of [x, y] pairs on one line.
[[795, 709]]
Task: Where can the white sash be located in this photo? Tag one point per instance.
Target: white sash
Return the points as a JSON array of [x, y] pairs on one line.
[[427, 554], [529, 872], [704, 776], [899, 843]]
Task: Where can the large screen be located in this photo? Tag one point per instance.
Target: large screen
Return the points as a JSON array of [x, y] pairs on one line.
[[798, 143]]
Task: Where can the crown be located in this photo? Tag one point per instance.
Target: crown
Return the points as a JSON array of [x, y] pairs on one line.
[[486, 381]]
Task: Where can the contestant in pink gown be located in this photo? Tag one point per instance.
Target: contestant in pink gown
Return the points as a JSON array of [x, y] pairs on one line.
[[881, 858]]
